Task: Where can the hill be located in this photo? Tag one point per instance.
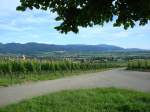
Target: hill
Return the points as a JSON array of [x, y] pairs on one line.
[[37, 48]]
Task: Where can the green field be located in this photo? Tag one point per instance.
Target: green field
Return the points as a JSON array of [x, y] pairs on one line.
[[19, 66], [21, 71], [86, 100]]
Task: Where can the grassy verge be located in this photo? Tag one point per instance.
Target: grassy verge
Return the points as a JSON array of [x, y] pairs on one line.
[[86, 100], [6, 80]]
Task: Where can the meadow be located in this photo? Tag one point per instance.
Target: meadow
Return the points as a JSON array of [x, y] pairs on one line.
[[85, 100]]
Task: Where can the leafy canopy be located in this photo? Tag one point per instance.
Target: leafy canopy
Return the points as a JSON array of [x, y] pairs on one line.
[[83, 13]]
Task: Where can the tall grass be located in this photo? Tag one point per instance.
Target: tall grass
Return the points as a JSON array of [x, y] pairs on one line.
[[139, 65]]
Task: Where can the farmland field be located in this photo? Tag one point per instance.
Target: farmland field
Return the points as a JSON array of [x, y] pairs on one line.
[[19, 71]]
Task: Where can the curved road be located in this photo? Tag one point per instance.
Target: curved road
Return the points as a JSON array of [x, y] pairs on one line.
[[113, 78]]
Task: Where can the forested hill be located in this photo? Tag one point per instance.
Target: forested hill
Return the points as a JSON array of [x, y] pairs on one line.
[[31, 48]]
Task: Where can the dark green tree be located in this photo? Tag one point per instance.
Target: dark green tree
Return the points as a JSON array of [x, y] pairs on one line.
[[84, 13]]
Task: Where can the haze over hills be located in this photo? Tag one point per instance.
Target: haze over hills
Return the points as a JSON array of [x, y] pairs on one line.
[[31, 48]]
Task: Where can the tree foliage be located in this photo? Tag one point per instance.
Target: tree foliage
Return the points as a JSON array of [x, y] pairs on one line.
[[83, 13]]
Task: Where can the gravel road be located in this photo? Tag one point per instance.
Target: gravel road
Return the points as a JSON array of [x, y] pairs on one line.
[[113, 78]]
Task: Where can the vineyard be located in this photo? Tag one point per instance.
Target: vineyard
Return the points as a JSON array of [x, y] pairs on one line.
[[18, 70], [139, 65], [36, 66]]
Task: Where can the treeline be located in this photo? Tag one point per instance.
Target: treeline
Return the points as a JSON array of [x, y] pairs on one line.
[[38, 66], [139, 65]]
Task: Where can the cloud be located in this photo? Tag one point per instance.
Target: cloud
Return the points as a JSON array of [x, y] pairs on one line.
[[37, 26], [14, 28], [36, 20], [9, 5], [15, 21], [35, 36], [121, 34]]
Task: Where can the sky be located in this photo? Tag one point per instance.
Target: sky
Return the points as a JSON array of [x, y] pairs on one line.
[[38, 26]]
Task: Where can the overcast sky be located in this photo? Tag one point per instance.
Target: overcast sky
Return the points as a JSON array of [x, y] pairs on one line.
[[38, 26]]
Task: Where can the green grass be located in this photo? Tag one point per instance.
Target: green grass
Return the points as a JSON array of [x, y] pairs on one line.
[[32, 77], [86, 100]]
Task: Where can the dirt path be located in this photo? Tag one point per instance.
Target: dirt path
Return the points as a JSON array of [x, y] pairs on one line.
[[112, 78]]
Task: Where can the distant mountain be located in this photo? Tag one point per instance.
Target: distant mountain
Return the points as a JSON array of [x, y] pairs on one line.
[[136, 49], [33, 48]]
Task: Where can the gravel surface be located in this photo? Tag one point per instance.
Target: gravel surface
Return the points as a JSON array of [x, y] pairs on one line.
[[113, 78]]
